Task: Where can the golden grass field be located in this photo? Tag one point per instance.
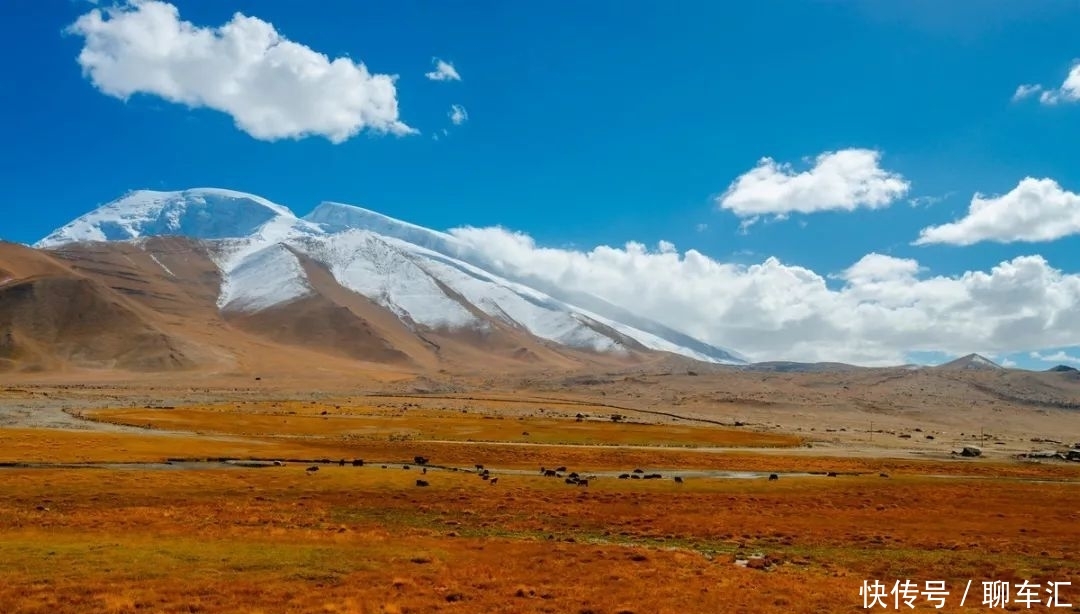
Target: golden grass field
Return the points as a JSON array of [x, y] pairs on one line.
[[373, 423], [202, 537], [367, 540]]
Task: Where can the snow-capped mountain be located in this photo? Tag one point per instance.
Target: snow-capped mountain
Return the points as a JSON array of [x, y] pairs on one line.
[[334, 217], [206, 213], [429, 280]]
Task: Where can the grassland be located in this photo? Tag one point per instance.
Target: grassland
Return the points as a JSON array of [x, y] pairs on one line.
[[35, 445], [374, 424], [350, 539], [204, 538]]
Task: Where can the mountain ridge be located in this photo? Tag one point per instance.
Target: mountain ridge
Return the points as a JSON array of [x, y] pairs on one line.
[[263, 258]]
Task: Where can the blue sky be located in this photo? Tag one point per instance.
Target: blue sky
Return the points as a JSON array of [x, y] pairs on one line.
[[599, 123]]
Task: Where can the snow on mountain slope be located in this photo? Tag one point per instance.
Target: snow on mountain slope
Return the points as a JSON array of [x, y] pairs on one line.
[[400, 275], [543, 315], [516, 305], [257, 269], [263, 278], [336, 217], [429, 279], [202, 213], [665, 337], [364, 263]]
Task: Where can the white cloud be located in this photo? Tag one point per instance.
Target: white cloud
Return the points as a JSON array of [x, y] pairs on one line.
[[1035, 210], [272, 87], [1026, 91], [457, 114], [929, 200], [884, 308], [839, 180], [877, 267], [1068, 92], [444, 71], [1059, 357]]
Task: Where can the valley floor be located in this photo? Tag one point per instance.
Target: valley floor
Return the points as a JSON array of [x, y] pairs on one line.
[[120, 502]]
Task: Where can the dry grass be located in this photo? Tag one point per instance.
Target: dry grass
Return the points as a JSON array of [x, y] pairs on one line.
[[374, 423], [627, 458], [33, 445], [57, 446], [367, 540]]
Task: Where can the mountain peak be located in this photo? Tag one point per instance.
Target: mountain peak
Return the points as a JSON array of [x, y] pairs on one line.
[[971, 362], [199, 213]]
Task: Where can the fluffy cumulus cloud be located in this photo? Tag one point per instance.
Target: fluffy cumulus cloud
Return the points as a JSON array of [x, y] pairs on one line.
[[842, 180], [879, 309], [272, 87], [1069, 91], [1035, 210], [877, 267], [443, 71], [457, 114]]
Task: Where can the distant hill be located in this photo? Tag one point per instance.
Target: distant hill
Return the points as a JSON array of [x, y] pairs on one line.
[[782, 366], [971, 362], [1063, 369]]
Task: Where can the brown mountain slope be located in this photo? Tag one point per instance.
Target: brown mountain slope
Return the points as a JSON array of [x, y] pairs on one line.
[[21, 262], [52, 318], [319, 324], [169, 275], [174, 283]]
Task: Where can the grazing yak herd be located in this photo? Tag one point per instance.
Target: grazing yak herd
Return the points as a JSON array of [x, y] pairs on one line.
[[572, 478]]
